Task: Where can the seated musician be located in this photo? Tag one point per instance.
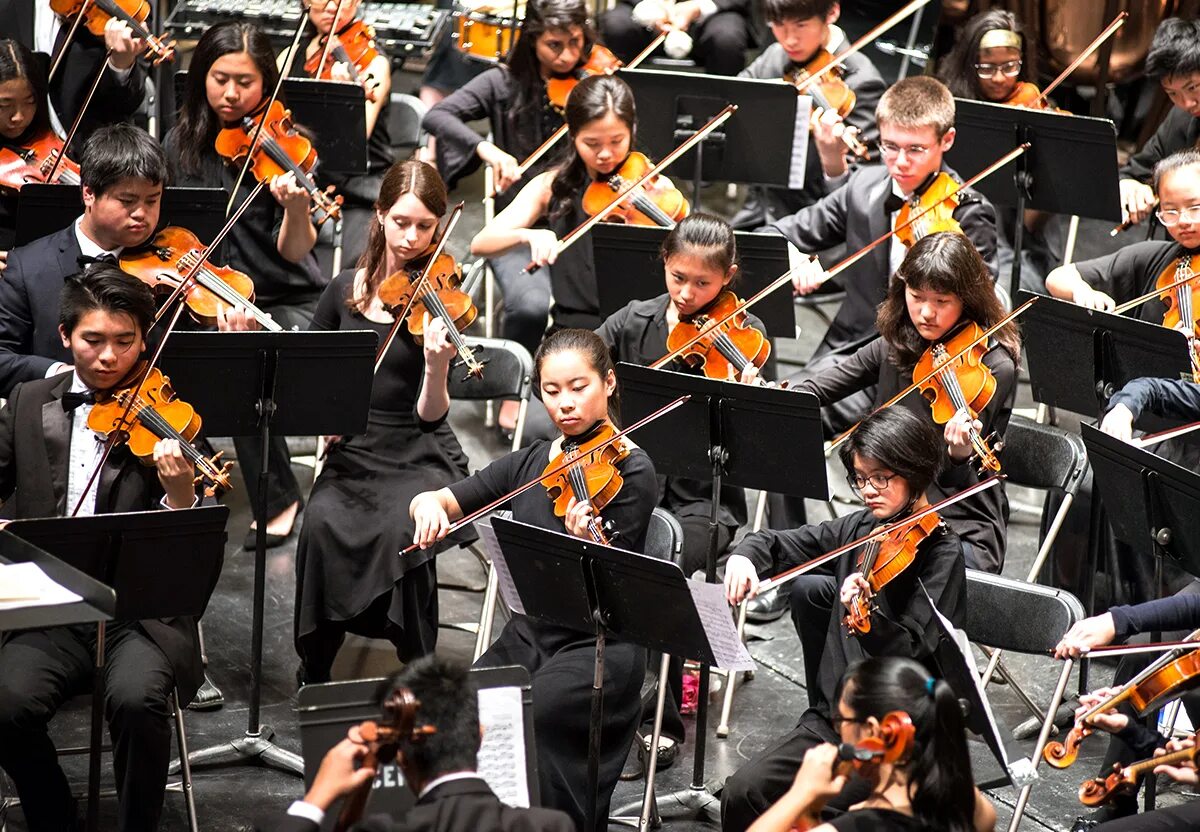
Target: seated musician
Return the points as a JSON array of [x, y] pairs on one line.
[[929, 787], [719, 30], [47, 453], [893, 458], [803, 29], [24, 117], [439, 768], [1174, 61]]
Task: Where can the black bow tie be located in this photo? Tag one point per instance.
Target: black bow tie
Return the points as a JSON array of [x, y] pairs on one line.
[[893, 203], [85, 260], [70, 400]]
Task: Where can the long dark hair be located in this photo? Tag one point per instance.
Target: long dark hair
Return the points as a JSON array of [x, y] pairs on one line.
[[18, 63], [593, 98], [422, 181], [957, 69], [593, 349], [940, 786], [942, 262], [542, 16], [702, 235], [198, 125]]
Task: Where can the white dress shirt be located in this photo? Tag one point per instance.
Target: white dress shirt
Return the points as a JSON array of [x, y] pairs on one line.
[[87, 446], [87, 248]]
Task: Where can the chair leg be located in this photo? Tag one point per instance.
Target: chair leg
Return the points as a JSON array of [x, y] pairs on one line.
[[519, 428], [760, 511], [649, 816], [731, 678], [489, 284], [483, 634], [1047, 724], [185, 766]]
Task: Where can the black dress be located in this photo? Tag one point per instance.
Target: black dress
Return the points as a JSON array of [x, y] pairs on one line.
[[349, 574], [878, 820], [561, 660]]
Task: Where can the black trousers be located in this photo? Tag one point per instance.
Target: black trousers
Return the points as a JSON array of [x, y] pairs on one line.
[[1185, 817], [719, 42], [526, 297], [39, 670], [812, 598]]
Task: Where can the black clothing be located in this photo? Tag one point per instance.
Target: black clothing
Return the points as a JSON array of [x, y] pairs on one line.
[[719, 42], [559, 659], [877, 820], [858, 213], [349, 575], [1132, 271], [981, 520], [1178, 131], [1175, 612], [1173, 819], [1172, 398]]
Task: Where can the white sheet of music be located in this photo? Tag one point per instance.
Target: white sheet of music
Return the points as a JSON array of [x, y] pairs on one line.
[[504, 581], [800, 142], [26, 585], [719, 629], [502, 753]]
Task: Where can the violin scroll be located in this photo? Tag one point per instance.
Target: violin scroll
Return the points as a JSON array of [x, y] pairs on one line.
[[1063, 754]]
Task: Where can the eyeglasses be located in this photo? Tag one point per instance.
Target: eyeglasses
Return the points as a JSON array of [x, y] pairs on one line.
[[890, 151], [837, 720], [1173, 216], [1010, 69], [877, 481]]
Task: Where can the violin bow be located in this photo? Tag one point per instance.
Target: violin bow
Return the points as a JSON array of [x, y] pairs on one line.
[[87, 100], [329, 39], [1162, 436], [692, 140], [62, 50], [1151, 295], [884, 531], [419, 286], [499, 501], [1109, 31], [846, 263], [1137, 649]]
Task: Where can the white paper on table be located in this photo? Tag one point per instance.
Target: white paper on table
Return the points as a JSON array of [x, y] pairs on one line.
[[502, 753], [504, 581], [799, 165], [729, 650], [26, 585]]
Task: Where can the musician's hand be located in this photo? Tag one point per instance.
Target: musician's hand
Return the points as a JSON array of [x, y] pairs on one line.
[[815, 777], [1111, 721], [827, 129], [1096, 631], [3, 260], [958, 436], [235, 319], [684, 14], [438, 348], [430, 519], [854, 586], [1118, 422], [338, 775], [340, 71], [1185, 772], [288, 193], [543, 245], [1090, 298], [1137, 200], [579, 512], [749, 374], [176, 473], [651, 14], [808, 276], [505, 166], [741, 579], [123, 48]]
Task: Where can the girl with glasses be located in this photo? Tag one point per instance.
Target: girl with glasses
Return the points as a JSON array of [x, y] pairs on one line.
[[992, 61]]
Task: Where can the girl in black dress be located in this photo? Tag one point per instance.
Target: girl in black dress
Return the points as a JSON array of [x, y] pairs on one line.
[[24, 115], [575, 375], [349, 577], [231, 75]]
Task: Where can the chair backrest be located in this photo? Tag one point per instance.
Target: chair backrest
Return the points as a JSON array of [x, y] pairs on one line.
[[508, 372], [404, 120], [1043, 456], [1017, 616], [664, 536]]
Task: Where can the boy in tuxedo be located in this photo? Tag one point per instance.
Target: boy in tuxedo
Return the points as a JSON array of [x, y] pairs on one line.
[[47, 454]]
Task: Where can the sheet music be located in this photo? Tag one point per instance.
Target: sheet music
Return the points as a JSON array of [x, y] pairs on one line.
[[26, 585], [719, 629], [800, 142], [504, 581], [502, 754]]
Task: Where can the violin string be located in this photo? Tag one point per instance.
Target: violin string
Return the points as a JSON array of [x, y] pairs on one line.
[[330, 38], [433, 303], [113, 10], [157, 424], [950, 381], [642, 203]]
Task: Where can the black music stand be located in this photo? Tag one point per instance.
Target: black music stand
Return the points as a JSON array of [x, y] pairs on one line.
[[97, 601], [44, 209], [1038, 179], [605, 591], [327, 711], [729, 433], [265, 384], [125, 551], [673, 105], [628, 267]]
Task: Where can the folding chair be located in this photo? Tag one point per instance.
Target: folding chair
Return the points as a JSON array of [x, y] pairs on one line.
[[1023, 618]]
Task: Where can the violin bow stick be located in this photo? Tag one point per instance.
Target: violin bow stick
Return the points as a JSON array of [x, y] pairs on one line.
[[1154, 293], [911, 520], [1109, 31], [1137, 649], [62, 50], [692, 140], [337, 12], [1162, 436], [475, 515], [858, 45], [87, 100]]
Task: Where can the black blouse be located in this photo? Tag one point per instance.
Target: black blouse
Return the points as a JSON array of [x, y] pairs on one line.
[[573, 275], [1133, 271], [877, 820]]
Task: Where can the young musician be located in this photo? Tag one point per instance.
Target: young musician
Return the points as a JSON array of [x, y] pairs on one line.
[[893, 459], [1174, 61], [991, 59], [348, 577], [231, 76], [717, 30], [928, 788], [24, 116], [574, 373], [804, 29], [47, 453]]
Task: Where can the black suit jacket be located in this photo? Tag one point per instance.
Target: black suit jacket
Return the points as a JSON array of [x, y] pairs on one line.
[[115, 100], [456, 806], [1179, 130], [35, 435]]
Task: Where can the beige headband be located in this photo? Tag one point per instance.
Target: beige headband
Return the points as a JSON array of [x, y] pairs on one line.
[[996, 38]]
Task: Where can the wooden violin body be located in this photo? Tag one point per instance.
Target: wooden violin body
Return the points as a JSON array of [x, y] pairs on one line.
[[33, 161], [133, 13], [662, 208], [1183, 300], [354, 46], [882, 561], [1124, 779], [600, 62], [723, 351], [934, 211], [594, 478], [830, 92]]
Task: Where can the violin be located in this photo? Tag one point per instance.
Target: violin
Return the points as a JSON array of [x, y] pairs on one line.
[[354, 46], [1182, 300], [963, 389], [157, 413], [591, 476], [440, 296], [172, 256], [830, 92], [1124, 779], [724, 350], [1028, 95], [1173, 674], [133, 13], [662, 209], [280, 149], [32, 161], [883, 559], [600, 61], [934, 209]]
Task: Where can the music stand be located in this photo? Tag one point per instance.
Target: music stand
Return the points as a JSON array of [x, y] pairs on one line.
[[1038, 179], [125, 551], [673, 105], [262, 384], [628, 266], [729, 433], [605, 591], [97, 601]]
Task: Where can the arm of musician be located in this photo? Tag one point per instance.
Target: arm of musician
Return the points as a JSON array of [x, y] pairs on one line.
[[629, 512], [433, 512], [123, 47], [513, 226], [297, 234], [814, 784], [851, 588], [122, 88], [339, 774], [505, 165], [8, 446], [977, 217], [1180, 611], [818, 226], [827, 129], [379, 75], [1185, 772], [1167, 397], [1137, 201], [857, 372], [985, 813], [16, 331], [1115, 722], [483, 97], [1096, 631], [1171, 135], [176, 473], [1066, 283], [433, 403], [769, 552]]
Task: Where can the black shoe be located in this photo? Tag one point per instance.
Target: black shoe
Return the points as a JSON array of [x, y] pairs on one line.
[[208, 698], [767, 607], [273, 540]]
